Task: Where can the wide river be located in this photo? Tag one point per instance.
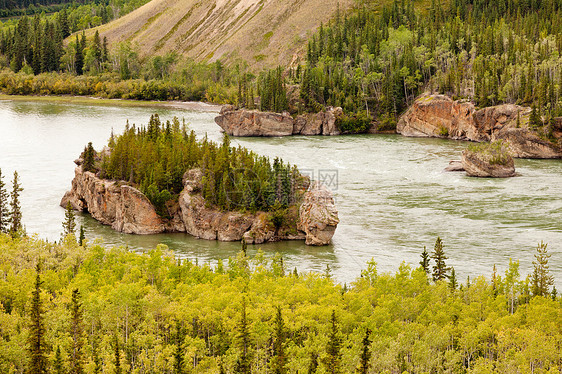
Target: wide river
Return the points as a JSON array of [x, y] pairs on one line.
[[392, 194]]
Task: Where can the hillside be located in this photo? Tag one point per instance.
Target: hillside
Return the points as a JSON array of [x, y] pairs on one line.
[[264, 33]]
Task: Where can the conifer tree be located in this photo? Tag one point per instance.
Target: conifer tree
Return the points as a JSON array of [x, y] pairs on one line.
[[365, 353], [243, 364], [313, 365], [4, 212], [78, 57], [424, 263], [77, 333], [15, 208], [333, 349], [69, 224], [279, 359], [58, 366], [438, 255], [117, 356], [180, 351], [96, 355], [82, 237], [36, 340], [89, 158], [453, 284], [541, 280]]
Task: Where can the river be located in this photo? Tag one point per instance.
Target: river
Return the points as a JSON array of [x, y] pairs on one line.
[[392, 193]]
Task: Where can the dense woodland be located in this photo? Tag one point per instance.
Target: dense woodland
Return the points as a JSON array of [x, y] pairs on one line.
[[155, 158], [70, 308]]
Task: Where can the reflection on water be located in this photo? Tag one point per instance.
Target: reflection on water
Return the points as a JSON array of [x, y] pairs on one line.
[[392, 194]]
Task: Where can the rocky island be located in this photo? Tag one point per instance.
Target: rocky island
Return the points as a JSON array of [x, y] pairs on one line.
[[283, 206], [488, 160], [441, 116]]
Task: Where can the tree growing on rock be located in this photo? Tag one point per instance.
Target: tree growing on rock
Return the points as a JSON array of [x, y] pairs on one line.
[[89, 158]]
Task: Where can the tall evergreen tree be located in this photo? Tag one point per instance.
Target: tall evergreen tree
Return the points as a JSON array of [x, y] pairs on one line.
[[82, 236], [453, 283], [89, 158], [243, 364], [424, 263], [36, 340], [58, 366], [541, 280], [78, 57], [117, 356], [180, 351], [77, 333], [4, 212], [69, 224], [333, 349], [279, 359], [15, 207], [365, 353], [438, 255]]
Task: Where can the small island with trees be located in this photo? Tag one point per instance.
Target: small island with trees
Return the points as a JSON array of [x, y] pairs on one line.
[[160, 178]]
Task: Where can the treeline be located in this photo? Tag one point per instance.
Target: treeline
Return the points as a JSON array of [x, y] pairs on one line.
[[373, 63], [155, 158], [71, 308]]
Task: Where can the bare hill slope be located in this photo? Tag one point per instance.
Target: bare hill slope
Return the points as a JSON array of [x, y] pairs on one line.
[[261, 32]]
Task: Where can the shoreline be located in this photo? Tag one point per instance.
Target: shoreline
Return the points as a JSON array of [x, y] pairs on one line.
[[90, 100]]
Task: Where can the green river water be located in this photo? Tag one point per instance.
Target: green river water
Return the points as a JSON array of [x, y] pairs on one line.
[[392, 194]]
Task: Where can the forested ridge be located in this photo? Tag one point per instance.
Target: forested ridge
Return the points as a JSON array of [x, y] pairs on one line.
[[65, 307], [155, 158]]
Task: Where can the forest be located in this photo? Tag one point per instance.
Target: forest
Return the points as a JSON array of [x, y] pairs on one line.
[[85, 309], [155, 158]]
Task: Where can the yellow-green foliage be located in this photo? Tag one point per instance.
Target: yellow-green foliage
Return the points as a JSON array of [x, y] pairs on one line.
[[496, 153], [418, 327]]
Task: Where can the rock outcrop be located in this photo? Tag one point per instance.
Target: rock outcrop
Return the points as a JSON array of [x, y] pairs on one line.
[[318, 215], [441, 116], [123, 207], [243, 122], [477, 166], [128, 210]]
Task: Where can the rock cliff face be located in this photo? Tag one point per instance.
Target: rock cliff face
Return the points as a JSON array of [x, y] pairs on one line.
[[243, 122], [128, 210], [440, 116]]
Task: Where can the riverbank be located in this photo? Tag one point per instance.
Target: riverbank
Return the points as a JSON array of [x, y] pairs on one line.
[[89, 100]]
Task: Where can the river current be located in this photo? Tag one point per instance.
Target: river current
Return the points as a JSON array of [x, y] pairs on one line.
[[392, 194]]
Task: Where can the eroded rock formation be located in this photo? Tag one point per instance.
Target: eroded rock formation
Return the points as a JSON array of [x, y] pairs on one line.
[[441, 116], [128, 210], [243, 122], [477, 166]]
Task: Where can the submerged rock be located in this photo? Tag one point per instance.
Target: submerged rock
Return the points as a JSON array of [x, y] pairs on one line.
[[455, 166]]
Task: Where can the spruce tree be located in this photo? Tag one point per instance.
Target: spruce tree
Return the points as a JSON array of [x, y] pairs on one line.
[[541, 280], [424, 263], [365, 353], [180, 351], [82, 237], [313, 365], [333, 349], [4, 212], [77, 333], [453, 284], [36, 340], [69, 224], [78, 57], [58, 366], [117, 355], [89, 158], [279, 360], [243, 364], [438, 255], [15, 208]]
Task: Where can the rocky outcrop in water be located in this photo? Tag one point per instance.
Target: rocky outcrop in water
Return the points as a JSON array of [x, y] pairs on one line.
[[441, 116], [128, 210], [318, 215], [243, 122], [477, 166]]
